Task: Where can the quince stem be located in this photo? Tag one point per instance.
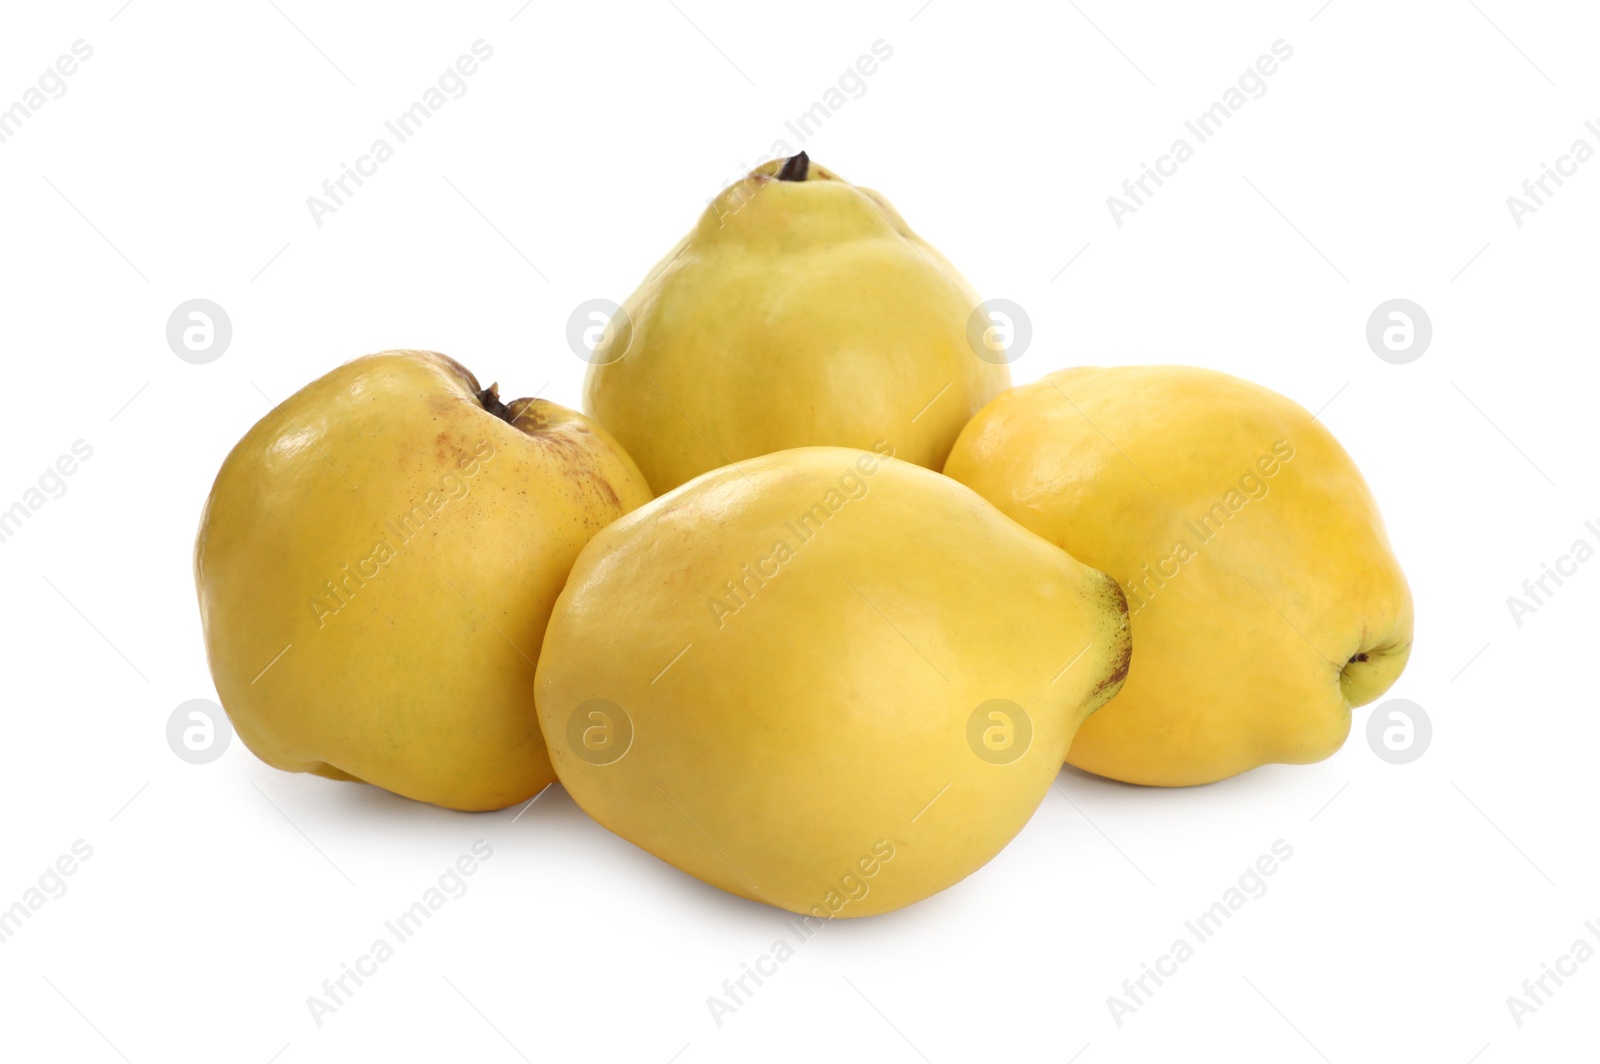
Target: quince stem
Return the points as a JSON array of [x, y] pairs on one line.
[[490, 398], [795, 168]]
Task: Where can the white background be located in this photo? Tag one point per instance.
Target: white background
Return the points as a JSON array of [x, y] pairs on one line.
[[219, 897]]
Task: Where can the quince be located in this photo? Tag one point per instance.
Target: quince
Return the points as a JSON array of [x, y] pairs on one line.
[[824, 679], [800, 311], [376, 564], [1264, 597]]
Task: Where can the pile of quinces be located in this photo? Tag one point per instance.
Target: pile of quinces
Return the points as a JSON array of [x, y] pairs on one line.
[[811, 604]]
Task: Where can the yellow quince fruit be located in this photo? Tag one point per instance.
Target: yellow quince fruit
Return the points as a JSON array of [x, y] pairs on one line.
[[800, 311], [1264, 597], [824, 679], [376, 564]]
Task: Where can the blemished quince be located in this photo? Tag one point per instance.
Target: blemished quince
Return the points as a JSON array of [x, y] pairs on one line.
[[1264, 597], [376, 564], [824, 679], [800, 311]]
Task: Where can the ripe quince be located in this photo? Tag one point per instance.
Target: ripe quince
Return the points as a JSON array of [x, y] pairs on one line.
[[801, 310], [1264, 596], [825, 679], [376, 564]]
